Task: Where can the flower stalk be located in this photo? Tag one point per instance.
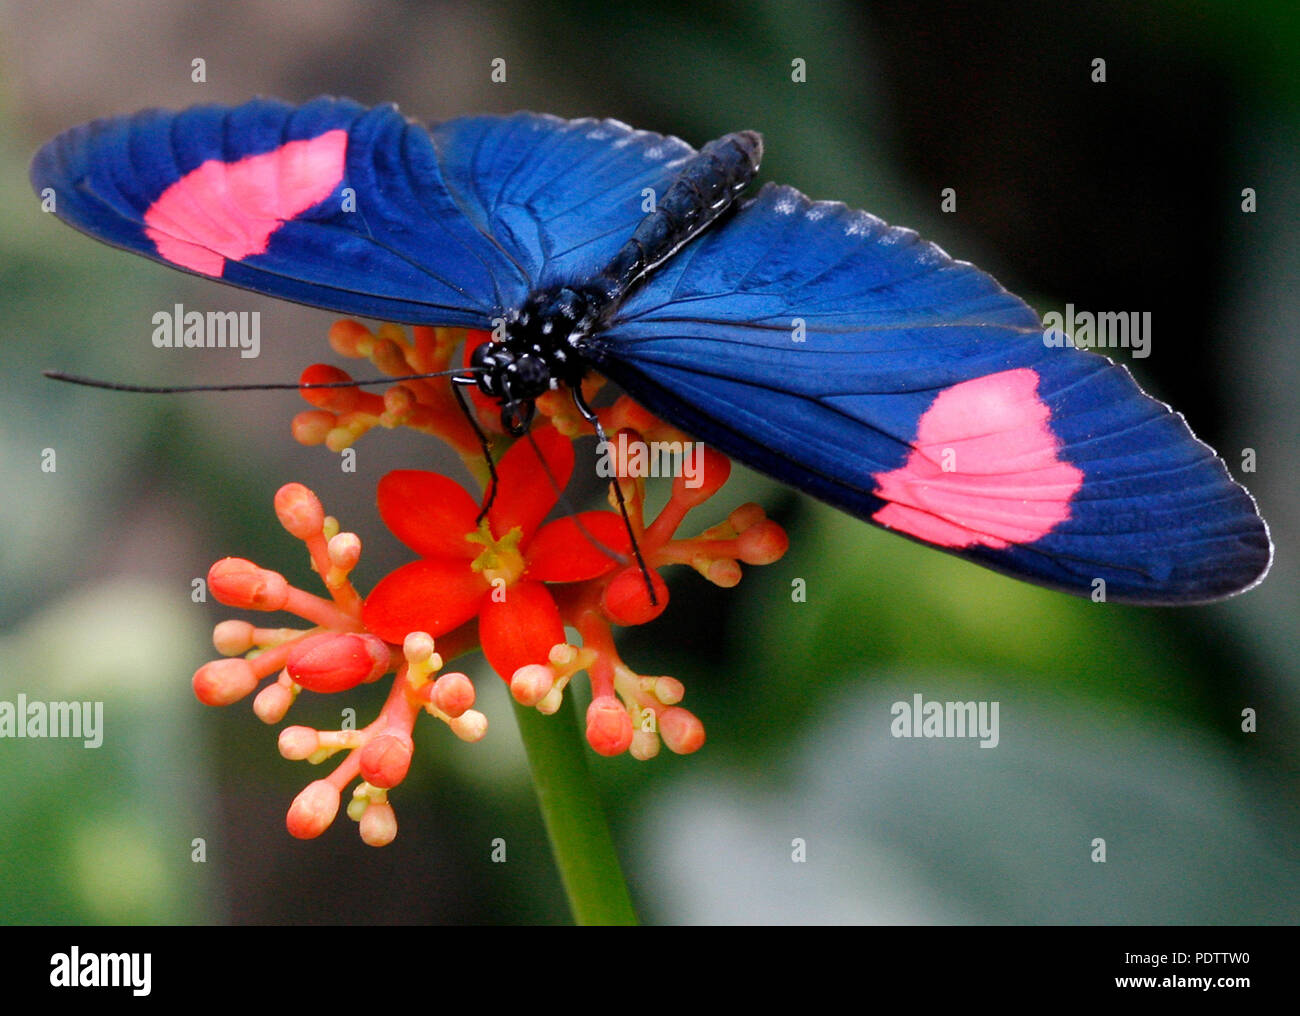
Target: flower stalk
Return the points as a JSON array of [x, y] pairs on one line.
[[575, 821]]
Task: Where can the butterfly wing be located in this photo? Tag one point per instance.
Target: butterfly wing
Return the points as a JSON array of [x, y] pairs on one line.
[[359, 210], [559, 197], [865, 366]]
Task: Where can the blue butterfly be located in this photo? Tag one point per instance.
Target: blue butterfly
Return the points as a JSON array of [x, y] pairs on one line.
[[841, 355]]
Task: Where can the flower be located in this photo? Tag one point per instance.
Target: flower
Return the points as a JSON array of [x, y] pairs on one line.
[[494, 569], [500, 580]]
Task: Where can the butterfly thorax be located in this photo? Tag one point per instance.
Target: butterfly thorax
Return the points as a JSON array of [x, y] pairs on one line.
[[542, 346], [541, 350]]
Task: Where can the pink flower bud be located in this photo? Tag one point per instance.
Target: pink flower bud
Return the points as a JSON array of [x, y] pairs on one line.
[[745, 516], [717, 468], [379, 825], [531, 684], [626, 600], [221, 682], [609, 727], [723, 572], [312, 810], [669, 690], [313, 426], [763, 543], [470, 726], [417, 647], [344, 550], [240, 583], [298, 743], [385, 759], [681, 730], [453, 694], [299, 510], [350, 338], [272, 703], [331, 662], [232, 638]]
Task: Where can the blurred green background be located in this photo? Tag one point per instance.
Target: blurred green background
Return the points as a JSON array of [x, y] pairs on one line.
[[1119, 723]]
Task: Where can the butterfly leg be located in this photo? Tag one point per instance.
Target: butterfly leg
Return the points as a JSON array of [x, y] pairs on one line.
[[589, 415]]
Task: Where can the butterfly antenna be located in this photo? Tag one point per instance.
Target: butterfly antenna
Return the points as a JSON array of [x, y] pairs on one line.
[[117, 386], [589, 415], [457, 383]]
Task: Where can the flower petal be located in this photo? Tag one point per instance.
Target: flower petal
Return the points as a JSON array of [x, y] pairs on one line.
[[526, 493], [521, 629], [434, 595], [562, 552], [428, 512]]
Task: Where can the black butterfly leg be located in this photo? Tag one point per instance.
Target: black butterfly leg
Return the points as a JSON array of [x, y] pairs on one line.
[[589, 415]]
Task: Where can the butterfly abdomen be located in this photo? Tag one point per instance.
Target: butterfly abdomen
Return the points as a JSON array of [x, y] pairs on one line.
[[704, 188]]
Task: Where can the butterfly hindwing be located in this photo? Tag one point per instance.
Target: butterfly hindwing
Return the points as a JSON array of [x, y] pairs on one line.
[[865, 366]]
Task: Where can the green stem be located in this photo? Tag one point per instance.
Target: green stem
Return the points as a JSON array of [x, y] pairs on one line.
[[575, 821]]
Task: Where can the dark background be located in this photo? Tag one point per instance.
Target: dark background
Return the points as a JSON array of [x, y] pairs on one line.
[[1119, 723]]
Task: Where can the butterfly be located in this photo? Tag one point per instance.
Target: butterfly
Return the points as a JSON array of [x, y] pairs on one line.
[[841, 355]]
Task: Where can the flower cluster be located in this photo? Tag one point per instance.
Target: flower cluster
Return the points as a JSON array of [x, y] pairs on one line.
[[502, 579]]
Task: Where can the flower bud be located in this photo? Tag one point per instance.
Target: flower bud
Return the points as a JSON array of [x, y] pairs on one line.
[[763, 543], [609, 727], [681, 731], [232, 638], [626, 600], [273, 702], [717, 469], [378, 825], [299, 511], [470, 726], [221, 682], [645, 745], [313, 426], [386, 758], [453, 694], [343, 399], [344, 550], [240, 583], [532, 683], [298, 743], [312, 810], [329, 662]]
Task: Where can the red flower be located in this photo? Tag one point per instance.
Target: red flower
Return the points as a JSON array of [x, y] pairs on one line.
[[494, 570]]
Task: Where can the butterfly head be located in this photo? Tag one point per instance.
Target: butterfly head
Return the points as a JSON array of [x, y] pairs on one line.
[[541, 350]]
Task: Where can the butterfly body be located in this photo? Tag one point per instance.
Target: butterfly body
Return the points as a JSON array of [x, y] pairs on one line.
[[545, 340], [816, 343]]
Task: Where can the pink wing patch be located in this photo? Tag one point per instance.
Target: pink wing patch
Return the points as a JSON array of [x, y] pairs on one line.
[[984, 468], [228, 210]]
